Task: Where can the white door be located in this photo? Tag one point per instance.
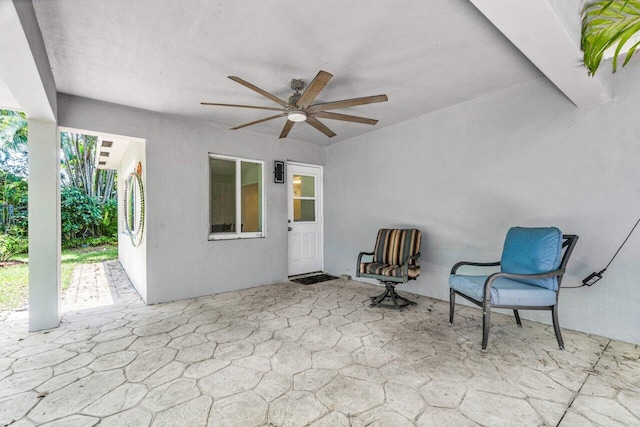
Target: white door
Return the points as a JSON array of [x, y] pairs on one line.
[[305, 218]]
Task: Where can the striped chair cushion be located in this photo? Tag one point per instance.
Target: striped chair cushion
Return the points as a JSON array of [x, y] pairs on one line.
[[393, 246], [389, 270]]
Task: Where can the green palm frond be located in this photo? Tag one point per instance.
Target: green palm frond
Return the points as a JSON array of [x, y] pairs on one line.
[[13, 130], [606, 24]]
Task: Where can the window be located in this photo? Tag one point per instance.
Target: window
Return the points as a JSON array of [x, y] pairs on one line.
[[304, 198], [236, 198]]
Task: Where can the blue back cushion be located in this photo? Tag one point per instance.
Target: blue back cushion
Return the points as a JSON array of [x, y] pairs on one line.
[[533, 251]]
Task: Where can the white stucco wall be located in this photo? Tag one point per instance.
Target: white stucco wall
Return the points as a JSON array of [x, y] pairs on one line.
[[525, 156], [181, 261], [133, 258]]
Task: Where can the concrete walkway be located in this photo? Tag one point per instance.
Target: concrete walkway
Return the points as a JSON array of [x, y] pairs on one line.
[[294, 355], [98, 285]]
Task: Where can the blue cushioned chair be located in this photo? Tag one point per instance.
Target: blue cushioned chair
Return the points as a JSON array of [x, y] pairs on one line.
[[531, 271]]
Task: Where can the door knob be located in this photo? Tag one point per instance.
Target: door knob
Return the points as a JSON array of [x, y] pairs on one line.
[[290, 229]]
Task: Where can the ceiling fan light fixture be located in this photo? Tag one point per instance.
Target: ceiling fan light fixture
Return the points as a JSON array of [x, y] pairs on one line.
[[297, 116], [301, 107]]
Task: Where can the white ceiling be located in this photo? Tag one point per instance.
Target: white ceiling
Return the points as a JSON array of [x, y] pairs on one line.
[[168, 56]]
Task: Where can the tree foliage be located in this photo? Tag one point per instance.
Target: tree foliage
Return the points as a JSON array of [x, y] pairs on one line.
[[89, 207], [81, 214], [13, 130], [88, 197], [13, 204], [88, 200], [109, 222], [80, 171], [13, 142], [13, 215], [607, 24], [13, 184]]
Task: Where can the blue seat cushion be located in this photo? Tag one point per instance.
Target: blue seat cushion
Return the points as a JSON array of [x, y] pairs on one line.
[[533, 251], [503, 291]]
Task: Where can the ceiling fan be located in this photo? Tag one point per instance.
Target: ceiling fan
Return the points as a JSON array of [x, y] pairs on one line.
[[300, 106]]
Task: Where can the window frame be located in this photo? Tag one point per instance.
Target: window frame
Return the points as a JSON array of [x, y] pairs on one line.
[[238, 234], [314, 198]]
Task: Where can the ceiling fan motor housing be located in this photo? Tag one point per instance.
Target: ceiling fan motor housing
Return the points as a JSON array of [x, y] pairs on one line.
[[297, 84], [293, 99]]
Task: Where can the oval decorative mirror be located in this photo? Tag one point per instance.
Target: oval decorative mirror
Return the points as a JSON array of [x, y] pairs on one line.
[[134, 208]]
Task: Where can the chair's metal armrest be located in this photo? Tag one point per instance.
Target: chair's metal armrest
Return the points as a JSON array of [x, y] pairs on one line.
[[360, 255], [494, 276], [475, 264], [416, 256], [405, 266]]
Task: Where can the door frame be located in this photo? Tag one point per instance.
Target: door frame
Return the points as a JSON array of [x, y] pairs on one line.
[[320, 212]]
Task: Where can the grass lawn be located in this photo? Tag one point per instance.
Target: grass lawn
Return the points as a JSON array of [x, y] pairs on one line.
[[14, 279]]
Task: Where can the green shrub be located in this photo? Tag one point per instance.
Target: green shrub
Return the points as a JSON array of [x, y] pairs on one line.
[[81, 214], [90, 241], [13, 203], [11, 245], [109, 222], [102, 240]]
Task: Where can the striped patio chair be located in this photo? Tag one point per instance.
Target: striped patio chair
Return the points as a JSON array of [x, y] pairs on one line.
[[394, 260]]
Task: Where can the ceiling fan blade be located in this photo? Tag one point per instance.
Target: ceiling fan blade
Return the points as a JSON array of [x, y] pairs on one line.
[[257, 107], [260, 91], [315, 87], [344, 117], [347, 103], [259, 121], [287, 128], [321, 127]]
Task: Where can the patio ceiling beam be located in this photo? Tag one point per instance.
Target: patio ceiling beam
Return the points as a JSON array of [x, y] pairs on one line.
[[534, 27], [24, 66]]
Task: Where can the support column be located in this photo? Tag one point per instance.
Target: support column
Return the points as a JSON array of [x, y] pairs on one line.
[[44, 225]]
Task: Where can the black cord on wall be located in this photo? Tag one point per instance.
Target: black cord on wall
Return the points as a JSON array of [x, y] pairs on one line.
[[594, 277]]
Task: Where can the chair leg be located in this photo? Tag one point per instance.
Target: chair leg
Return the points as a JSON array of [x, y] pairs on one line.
[[398, 301], [375, 300], [403, 299], [556, 326], [452, 304], [394, 301], [390, 292], [486, 324], [515, 313]]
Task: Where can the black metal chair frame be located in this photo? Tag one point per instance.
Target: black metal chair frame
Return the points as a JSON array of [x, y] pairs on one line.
[[389, 282], [569, 242]]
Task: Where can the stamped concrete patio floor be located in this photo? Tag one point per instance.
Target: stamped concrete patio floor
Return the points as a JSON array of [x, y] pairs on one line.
[[294, 355]]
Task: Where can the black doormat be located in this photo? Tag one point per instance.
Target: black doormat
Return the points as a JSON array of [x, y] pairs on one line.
[[310, 280]]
